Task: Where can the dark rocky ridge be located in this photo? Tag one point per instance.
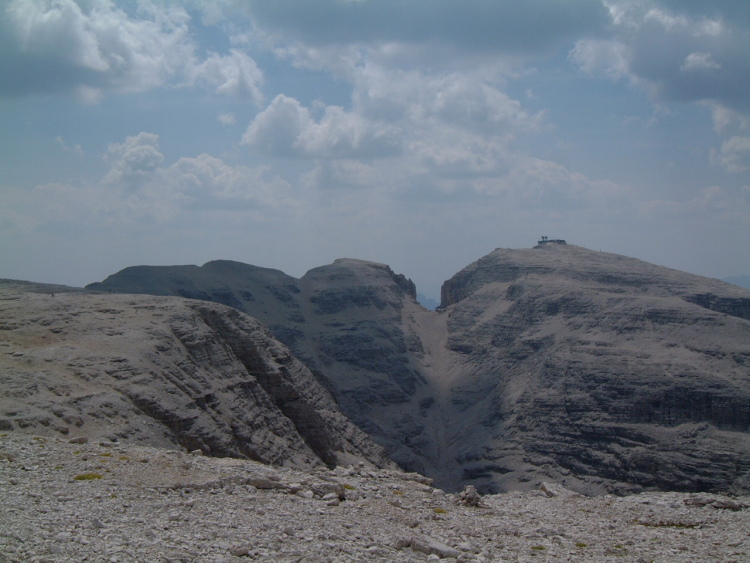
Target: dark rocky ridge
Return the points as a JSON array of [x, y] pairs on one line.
[[342, 320], [602, 372]]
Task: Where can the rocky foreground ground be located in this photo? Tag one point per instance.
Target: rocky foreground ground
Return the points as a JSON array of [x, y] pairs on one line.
[[113, 502]]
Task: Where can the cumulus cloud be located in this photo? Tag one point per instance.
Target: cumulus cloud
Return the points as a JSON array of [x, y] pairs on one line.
[[90, 48], [682, 51], [75, 149], [141, 186], [235, 74], [445, 121], [65, 46], [286, 128], [134, 161], [277, 128], [699, 62], [608, 56], [727, 121], [138, 171], [471, 100], [214, 183], [227, 118]]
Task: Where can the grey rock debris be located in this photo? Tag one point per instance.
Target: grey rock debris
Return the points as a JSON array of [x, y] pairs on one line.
[[150, 504]]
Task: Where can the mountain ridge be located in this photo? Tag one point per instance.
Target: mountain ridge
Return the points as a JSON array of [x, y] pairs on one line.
[[595, 370]]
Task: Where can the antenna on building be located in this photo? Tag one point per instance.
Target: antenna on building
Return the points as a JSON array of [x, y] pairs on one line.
[[546, 240]]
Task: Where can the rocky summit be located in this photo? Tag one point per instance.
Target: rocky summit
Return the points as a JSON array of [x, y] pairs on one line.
[[599, 372]]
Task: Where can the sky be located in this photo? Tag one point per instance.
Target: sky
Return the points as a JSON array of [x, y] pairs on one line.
[[420, 134]]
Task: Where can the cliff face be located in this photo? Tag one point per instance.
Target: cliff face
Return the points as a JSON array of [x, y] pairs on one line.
[[342, 320], [168, 372], [601, 372]]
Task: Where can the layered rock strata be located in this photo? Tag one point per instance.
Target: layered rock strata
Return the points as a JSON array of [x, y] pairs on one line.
[[167, 372], [599, 371], [602, 372], [343, 320]]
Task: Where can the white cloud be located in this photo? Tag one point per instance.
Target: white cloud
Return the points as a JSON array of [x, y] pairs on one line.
[[227, 118], [602, 55], [90, 48], [531, 26], [728, 121], [699, 62], [681, 51], [235, 74], [276, 129], [332, 174], [67, 45], [134, 161], [211, 181], [141, 187], [75, 149], [734, 154], [287, 128]]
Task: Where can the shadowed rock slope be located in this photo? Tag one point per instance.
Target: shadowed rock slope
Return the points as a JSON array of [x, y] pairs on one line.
[[343, 320], [166, 372], [601, 372]]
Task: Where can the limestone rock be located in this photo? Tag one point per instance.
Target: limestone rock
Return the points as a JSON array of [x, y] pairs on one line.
[[343, 320], [600, 372], [168, 372], [206, 511], [471, 497], [553, 490], [595, 371]]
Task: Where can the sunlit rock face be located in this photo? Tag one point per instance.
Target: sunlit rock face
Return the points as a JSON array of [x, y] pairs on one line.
[[166, 372], [602, 372]]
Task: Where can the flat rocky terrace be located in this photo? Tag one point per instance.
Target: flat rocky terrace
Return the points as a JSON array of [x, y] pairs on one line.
[[111, 502]]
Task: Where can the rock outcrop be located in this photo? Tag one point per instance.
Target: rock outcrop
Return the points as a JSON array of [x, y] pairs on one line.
[[599, 371], [595, 371], [343, 320], [166, 372]]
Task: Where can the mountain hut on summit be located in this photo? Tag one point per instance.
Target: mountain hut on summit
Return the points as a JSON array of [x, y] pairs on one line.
[[546, 240]]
